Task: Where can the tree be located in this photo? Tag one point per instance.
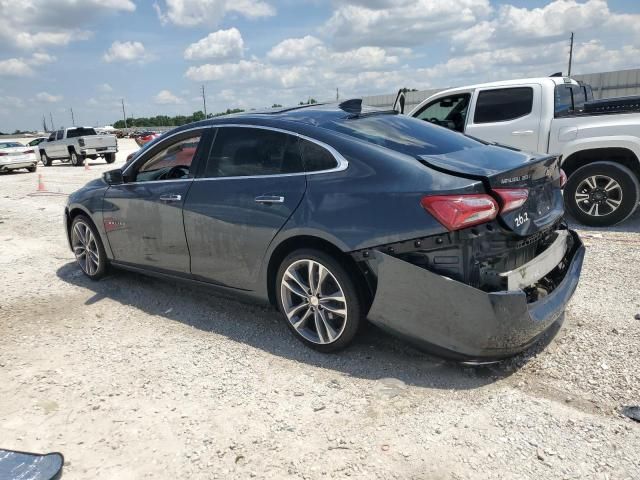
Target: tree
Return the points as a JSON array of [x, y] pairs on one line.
[[276, 105]]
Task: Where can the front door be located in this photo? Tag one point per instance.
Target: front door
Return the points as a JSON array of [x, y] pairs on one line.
[[253, 181], [143, 216]]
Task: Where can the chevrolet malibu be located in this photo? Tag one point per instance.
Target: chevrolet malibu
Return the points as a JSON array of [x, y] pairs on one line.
[[336, 214]]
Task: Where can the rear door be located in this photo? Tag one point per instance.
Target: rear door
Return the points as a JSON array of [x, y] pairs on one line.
[[143, 216], [253, 181], [507, 115]]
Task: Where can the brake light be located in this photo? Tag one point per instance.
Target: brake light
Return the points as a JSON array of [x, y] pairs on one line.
[[28, 151], [512, 198], [563, 178], [2, 154], [460, 211]]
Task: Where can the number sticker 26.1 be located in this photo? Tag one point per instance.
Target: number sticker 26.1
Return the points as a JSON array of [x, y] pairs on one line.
[[522, 219]]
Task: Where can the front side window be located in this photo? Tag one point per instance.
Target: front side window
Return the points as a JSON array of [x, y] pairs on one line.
[[52, 137], [449, 112], [249, 152], [171, 163], [59, 135], [503, 104]]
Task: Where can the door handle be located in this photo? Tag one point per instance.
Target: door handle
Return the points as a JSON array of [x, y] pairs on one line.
[[268, 199], [522, 133], [170, 198]]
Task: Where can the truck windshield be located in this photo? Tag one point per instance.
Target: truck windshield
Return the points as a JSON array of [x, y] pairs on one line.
[[403, 134], [80, 132]]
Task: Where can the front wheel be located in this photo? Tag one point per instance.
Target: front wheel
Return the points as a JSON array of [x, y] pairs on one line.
[[46, 161], [88, 248], [602, 194], [110, 157], [76, 160], [319, 300]]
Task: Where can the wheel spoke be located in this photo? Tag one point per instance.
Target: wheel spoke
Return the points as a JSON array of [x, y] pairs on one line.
[[290, 313], [335, 297], [612, 185], [592, 182], [296, 278], [581, 197], [613, 203], [322, 275], [337, 311], [330, 332], [302, 320], [294, 288], [312, 285]]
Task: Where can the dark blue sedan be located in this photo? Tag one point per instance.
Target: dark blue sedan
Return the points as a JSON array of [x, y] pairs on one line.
[[336, 213]]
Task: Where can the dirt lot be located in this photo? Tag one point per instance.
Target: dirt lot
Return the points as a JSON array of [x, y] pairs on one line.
[[133, 377]]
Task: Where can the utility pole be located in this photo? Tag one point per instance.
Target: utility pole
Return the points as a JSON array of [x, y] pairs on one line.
[[337, 95], [570, 55], [204, 102], [44, 124], [53, 127], [124, 114], [73, 120]]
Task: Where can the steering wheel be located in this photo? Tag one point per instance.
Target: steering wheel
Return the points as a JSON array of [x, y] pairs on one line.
[[179, 171], [434, 120]]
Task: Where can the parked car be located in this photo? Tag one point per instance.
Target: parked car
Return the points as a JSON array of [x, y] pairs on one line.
[[77, 144], [598, 141], [14, 156], [146, 137], [335, 214]]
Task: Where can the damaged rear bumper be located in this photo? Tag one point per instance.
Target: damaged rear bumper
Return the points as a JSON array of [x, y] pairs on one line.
[[459, 321]]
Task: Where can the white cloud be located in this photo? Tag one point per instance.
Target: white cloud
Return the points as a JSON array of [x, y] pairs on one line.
[[33, 24], [104, 88], [400, 22], [189, 13], [8, 102], [220, 45], [295, 49], [42, 58], [125, 52], [15, 67], [46, 97], [165, 97]]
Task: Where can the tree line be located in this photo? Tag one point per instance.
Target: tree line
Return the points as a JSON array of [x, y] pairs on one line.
[[167, 121]]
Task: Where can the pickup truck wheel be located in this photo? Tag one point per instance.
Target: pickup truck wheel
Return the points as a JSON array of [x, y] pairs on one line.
[[110, 157], [77, 160], [46, 161], [602, 194]]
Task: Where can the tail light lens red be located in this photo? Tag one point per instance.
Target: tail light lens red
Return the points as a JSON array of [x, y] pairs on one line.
[[563, 178], [512, 198], [460, 211], [2, 154], [28, 151]]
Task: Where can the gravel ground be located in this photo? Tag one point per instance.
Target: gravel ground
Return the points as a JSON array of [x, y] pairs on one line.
[[132, 377]]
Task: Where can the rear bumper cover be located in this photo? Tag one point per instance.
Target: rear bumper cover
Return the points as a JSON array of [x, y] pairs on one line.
[[462, 322]]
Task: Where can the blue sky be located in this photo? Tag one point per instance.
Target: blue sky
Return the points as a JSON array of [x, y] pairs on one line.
[[88, 54]]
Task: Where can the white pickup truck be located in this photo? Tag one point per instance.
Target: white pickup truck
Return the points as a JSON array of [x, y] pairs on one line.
[[76, 144], [598, 141]]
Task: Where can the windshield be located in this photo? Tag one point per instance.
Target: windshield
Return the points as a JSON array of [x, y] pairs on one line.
[[403, 134], [10, 145]]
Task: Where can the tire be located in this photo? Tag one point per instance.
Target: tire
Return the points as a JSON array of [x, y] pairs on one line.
[[96, 266], [336, 325], [46, 161], [76, 160], [592, 198], [33, 169], [110, 157]]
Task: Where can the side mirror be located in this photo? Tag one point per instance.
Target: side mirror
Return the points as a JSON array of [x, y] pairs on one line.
[[113, 177]]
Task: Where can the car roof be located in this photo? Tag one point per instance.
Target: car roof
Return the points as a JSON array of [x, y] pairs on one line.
[[508, 83]]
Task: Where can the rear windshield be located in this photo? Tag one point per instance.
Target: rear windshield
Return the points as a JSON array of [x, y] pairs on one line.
[[80, 132], [403, 134], [10, 145]]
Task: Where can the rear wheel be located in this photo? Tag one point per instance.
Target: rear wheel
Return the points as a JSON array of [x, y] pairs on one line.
[[46, 161], [33, 168], [88, 248], [602, 194], [110, 157], [319, 300], [76, 159]]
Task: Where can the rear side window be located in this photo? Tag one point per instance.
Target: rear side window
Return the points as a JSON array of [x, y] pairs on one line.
[[316, 158], [249, 152], [59, 135], [503, 104], [403, 134]]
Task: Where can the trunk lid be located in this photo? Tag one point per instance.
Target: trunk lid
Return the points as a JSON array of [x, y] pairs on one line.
[[503, 168]]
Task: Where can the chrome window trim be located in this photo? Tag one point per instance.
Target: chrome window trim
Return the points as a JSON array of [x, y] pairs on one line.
[[341, 162]]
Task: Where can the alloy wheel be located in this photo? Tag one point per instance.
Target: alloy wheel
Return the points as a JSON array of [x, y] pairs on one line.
[[598, 195], [313, 301], [85, 248]]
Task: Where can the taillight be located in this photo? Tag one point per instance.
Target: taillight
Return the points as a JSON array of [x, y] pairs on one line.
[[563, 178], [2, 154], [460, 211], [512, 198], [28, 151]]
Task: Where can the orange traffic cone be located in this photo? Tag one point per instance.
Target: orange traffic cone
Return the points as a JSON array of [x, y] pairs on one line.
[[41, 187], [86, 165]]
